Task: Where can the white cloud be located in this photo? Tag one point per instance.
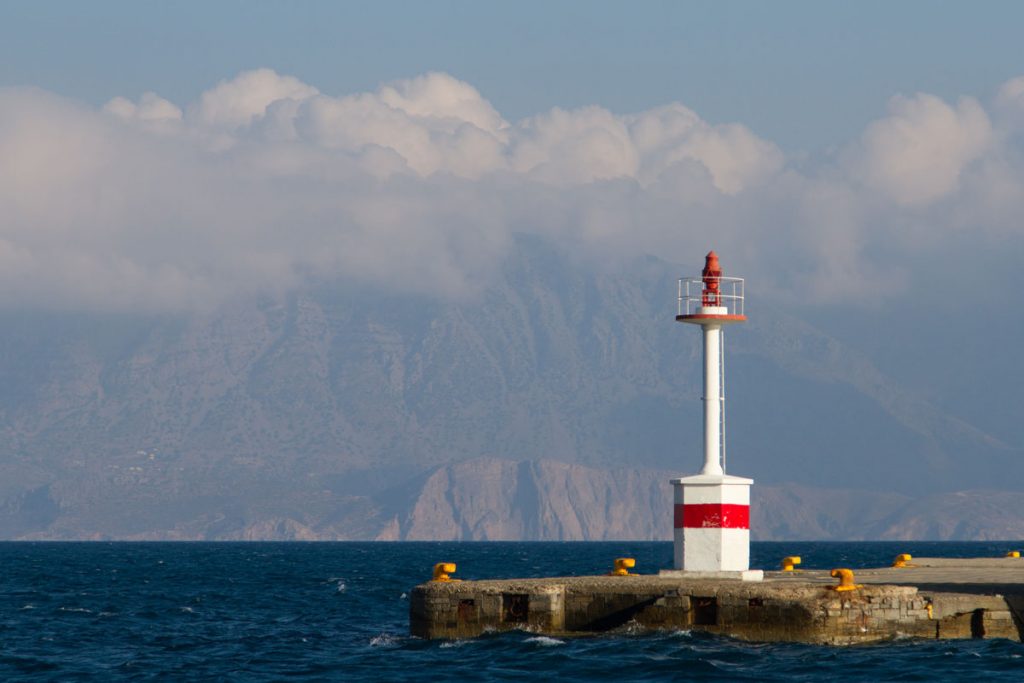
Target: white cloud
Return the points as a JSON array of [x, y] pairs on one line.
[[151, 108], [917, 153], [235, 103], [1009, 105], [1011, 93], [420, 184], [732, 154], [440, 96], [573, 147], [427, 144]]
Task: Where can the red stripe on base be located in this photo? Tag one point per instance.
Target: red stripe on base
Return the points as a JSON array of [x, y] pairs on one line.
[[712, 516]]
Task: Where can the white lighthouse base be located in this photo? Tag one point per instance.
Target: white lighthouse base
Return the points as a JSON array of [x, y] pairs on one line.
[[712, 528]]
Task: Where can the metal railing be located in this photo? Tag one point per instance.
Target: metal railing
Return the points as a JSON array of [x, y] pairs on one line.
[[691, 293]]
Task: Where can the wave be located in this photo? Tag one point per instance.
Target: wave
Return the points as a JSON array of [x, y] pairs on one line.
[[384, 640], [545, 641]]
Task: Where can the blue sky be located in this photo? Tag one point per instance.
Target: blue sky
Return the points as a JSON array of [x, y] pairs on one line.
[[807, 75]]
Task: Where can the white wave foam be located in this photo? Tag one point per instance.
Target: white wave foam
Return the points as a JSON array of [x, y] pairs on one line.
[[28, 606], [75, 609], [545, 641], [633, 628], [384, 640], [452, 643]]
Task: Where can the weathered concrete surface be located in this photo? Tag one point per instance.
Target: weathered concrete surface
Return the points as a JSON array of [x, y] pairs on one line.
[[934, 599], [984, 575]]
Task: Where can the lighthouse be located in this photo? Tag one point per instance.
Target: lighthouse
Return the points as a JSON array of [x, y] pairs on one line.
[[712, 509]]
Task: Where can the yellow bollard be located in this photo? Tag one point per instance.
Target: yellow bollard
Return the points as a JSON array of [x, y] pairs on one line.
[[622, 566], [902, 560], [442, 571], [788, 563], [845, 577], [1013, 553]]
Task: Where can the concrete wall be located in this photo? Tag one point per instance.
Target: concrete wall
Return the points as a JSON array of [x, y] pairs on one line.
[[809, 613]]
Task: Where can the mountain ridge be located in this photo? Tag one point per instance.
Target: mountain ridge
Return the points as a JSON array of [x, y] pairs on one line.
[[492, 499], [306, 406]]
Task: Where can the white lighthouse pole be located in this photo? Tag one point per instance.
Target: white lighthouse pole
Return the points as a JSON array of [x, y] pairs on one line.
[[712, 509], [712, 399]]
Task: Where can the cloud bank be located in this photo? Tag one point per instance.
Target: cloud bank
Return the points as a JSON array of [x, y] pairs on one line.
[[265, 183]]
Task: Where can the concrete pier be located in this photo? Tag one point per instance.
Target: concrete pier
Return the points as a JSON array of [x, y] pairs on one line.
[[933, 598]]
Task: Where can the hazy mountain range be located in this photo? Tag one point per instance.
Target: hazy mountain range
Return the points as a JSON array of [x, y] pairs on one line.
[[554, 405]]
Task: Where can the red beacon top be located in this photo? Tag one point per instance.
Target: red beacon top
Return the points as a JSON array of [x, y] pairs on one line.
[[712, 277], [717, 299]]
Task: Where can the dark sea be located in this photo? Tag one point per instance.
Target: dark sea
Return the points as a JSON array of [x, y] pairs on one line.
[[339, 611]]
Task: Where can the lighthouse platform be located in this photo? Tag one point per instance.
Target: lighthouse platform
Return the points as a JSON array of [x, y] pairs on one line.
[[935, 598]]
